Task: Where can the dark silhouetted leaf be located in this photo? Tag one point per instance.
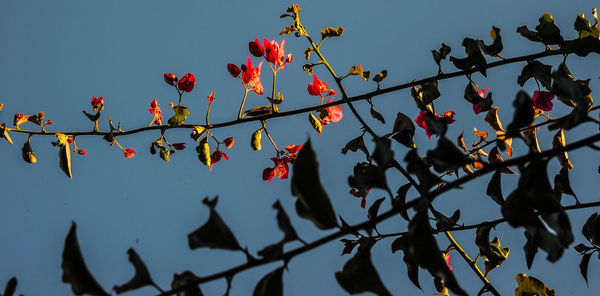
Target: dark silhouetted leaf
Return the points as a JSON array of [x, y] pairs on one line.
[[312, 201], [142, 275], [446, 156], [530, 35], [4, 134], [443, 222], [591, 229], [284, 223], [439, 55], [558, 141], [493, 252], [496, 47], [75, 272], [548, 31], [461, 142], [356, 144], [377, 115], [495, 157], [92, 117], [400, 200], [583, 266], [373, 211], [474, 57], [345, 226], [412, 268], [185, 279], [214, 233], [537, 70], [523, 115], [271, 251], [368, 175], [379, 77], [404, 130], [383, 153], [562, 183], [494, 188], [348, 245], [11, 286], [531, 250], [271, 284], [415, 165], [581, 248], [359, 275]]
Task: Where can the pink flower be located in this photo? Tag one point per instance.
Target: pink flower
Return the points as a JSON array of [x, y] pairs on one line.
[[81, 152], [334, 114], [542, 100], [251, 76], [477, 108], [317, 87], [155, 109], [187, 82], [274, 52]]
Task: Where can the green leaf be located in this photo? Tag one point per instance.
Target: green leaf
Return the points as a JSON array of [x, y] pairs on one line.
[[214, 233], [271, 284], [359, 275], [203, 150], [258, 111], [332, 32], [181, 113], [197, 132], [255, 140], [312, 201], [315, 123], [75, 271], [164, 154], [140, 279], [358, 70], [528, 285]]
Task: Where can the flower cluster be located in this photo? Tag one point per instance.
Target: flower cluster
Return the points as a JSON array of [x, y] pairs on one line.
[[155, 109], [281, 167], [447, 117], [272, 51], [330, 114], [98, 103], [250, 75], [185, 84]]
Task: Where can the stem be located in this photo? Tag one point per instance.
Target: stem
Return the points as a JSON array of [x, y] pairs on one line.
[[243, 101], [273, 106], [471, 263], [207, 114], [264, 124]]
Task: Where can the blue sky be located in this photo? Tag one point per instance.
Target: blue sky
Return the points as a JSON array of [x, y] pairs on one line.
[[57, 55]]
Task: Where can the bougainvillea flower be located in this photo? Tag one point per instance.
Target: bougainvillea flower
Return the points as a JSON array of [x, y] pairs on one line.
[[542, 100], [334, 114], [361, 193], [19, 118], [80, 151], [70, 140], [481, 93], [251, 76], [178, 146], [211, 97], [448, 117], [233, 70], [317, 87], [292, 150], [98, 103], [216, 157], [281, 167], [170, 78], [128, 152], [187, 82], [229, 142], [477, 107], [256, 49], [155, 109], [447, 259], [274, 52], [268, 174], [331, 92], [289, 58]]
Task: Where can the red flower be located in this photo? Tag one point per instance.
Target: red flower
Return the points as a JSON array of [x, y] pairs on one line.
[[251, 76], [447, 259], [155, 109], [293, 149], [229, 142], [81, 152], [289, 58], [281, 167], [477, 107], [211, 97], [233, 70], [98, 103], [256, 49], [268, 174], [448, 117], [187, 82], [216, 157], [70, 140], [170, 78], [317, 87], [361, 193], [542, 100], [331, 92], [274, 52], [129, 153], [178, 146], [334, 114]]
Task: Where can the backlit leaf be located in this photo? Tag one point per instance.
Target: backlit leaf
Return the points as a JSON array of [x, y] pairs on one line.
[[377, 115], [181, 113], [258, 111], [332, 32], [558, 142], [4, 134], [493, 120], [528, 285], [27, 152], [495, 157], [315, 123]]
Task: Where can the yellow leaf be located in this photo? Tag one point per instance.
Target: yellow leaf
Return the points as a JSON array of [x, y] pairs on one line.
[[495, 157], [315, 123], [493, 120], [528, 285], [332, 32], [557, 142], [255, 140]]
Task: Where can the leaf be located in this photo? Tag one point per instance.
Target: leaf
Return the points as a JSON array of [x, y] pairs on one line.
[[181, 113], [271, 284], [307, 52], [331, 32], [494, 188], [429, 91], [379, 77], [312, 201], [562, 183], [581, 248], [412, 268], [255, 140], [11, 286], [359, 275], [27, 152], [214, 233], [443, 222], [530, 248], [271, 252], [495, 157], [537, 70], [531, 139], [185, 279], [284, 223], [559, 142], [345, 226], [348, 246], [480, 135], [523, 115], [75, 272], [258, 111], [446, 156], [493, 120], [591, 229], [528, 285], [64, 154], [496, 47], [583, 266], [474, 59], [356, 144], [383, 153], [439, 55], [415, 165], [203, 150], [368, 175], [309, 68], [140, 279], [493, 252], [92, 117], [373, 210], [4, 134], [404, 130], [400, 200], [315, 123], [377, 115], [358, 70], [461, 142]]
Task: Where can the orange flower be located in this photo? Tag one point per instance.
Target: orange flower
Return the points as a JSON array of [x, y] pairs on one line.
[[275, 54], [229, 142], [317, 87], [128, 152], [251, 76], [187, 82], [98, 103], [81, 151], [170, 78], [155, 109]]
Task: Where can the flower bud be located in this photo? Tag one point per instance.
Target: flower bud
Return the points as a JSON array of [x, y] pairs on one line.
[[187, 82], [256, 49], [233, 70], [229, 142], [170, 78]]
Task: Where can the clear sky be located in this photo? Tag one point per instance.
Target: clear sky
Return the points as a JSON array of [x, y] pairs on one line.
[[57, 55]]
